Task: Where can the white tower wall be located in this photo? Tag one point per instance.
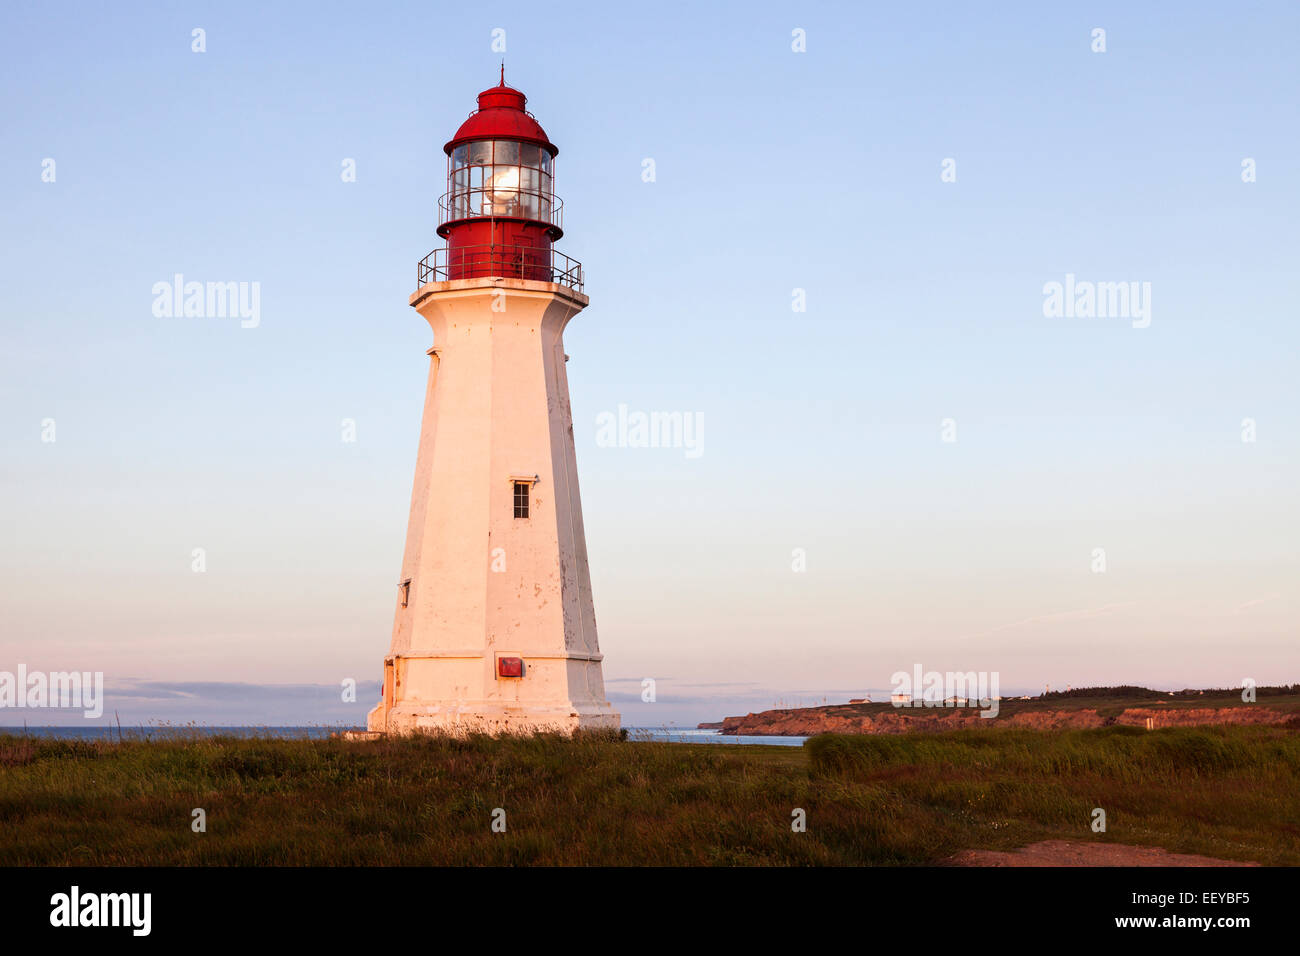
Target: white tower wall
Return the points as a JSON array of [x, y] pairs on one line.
[[496, 411]]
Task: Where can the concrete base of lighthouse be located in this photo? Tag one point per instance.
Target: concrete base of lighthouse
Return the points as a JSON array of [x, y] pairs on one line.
[[484, 717], [432, 695], [480, 583]]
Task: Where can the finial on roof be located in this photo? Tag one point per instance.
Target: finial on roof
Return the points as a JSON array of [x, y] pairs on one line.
[[503, 72]]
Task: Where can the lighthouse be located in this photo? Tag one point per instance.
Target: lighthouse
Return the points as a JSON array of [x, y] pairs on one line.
[[495, 629]]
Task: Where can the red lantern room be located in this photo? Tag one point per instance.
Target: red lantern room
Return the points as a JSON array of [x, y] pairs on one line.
[[500, 213]]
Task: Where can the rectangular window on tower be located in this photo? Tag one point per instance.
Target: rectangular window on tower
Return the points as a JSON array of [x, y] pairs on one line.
[[521, 499]]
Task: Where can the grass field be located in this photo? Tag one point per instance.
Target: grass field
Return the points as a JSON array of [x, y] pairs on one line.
[[1229, 792]]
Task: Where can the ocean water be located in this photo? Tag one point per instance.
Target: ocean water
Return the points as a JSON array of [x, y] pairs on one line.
[[165, 731], [677, 735]]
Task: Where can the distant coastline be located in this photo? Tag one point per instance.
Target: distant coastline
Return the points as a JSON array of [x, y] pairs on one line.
[[1081, 708]]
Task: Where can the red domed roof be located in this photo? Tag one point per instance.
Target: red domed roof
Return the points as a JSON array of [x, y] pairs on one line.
[[501, 115]]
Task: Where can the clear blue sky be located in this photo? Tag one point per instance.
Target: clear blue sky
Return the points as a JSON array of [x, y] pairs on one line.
[[775, 170]]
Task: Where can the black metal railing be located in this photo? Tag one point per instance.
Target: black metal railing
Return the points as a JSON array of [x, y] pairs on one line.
[[492, 260]]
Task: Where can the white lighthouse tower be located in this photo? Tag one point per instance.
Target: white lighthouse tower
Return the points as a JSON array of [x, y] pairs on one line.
[[495, 629]]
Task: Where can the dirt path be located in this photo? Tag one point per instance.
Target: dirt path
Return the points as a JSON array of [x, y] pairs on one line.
[[1065, 853]]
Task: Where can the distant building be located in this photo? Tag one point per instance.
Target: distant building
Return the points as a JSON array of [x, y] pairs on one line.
[[900, 698]]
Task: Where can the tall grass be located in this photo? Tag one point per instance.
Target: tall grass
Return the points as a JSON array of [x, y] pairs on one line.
[[900, 799], [1131, 753], [1232, 792]]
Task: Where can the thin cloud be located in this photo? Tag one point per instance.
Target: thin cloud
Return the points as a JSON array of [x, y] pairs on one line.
[[1086, 614]]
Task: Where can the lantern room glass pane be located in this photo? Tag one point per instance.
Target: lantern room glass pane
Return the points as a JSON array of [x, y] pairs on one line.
[[506, 152], [502, 177], [505, 181], [475, 196]]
